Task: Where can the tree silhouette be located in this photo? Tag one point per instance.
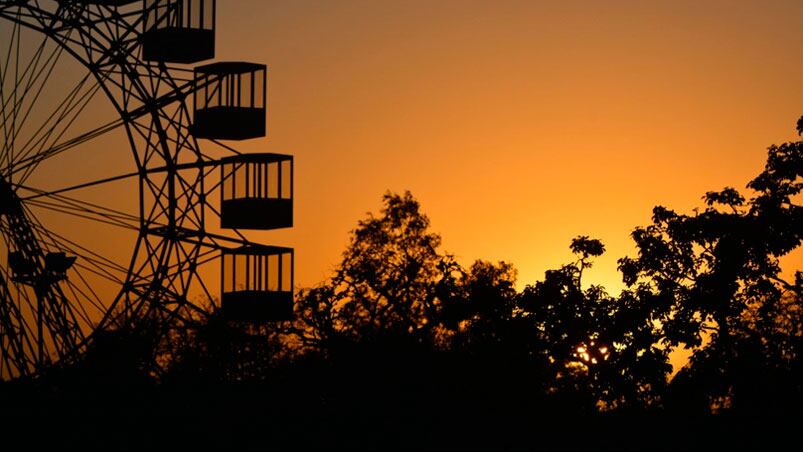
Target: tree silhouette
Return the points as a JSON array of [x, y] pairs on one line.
[[388, 284], [479, 306], [220, 352], [714, 275], [601, 348]]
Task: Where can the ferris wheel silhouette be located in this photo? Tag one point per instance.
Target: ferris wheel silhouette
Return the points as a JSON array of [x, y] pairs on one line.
[[120, 198]]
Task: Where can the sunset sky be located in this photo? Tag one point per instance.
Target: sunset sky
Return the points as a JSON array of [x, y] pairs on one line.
[[517, 124]]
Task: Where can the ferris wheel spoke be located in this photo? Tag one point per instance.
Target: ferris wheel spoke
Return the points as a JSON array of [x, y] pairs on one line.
[[98, 265], [21, 302], [68, 117], [43, 154], [18, 350], [34, 77], [36, 80], [89, 295], [56, 325], [36, 148], [85, 214], [78, 309], [158, 210], [51, 193], [177, 268], [132, 18], [208, 165], [161, 102], [52, 22], [46, 125], [203, 259], [97, 270], [99, 261], [57, 200], [217, 242], [15, 328], [94, 17], [22, 294], [8, 136], [61, 319], [179, 271]]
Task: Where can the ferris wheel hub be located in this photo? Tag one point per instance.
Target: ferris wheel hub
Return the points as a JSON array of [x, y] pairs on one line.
[[29, 264], [9, 201]]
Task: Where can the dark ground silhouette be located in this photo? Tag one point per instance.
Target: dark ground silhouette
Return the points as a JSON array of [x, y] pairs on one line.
[[403, 348]]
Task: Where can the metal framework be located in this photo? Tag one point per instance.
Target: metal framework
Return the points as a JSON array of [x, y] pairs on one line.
[[52, 298]]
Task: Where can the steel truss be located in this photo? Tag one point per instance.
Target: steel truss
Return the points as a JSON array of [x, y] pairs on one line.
[[49, 314]]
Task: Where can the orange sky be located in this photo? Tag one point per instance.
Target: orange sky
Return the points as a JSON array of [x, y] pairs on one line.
[[517, 124]]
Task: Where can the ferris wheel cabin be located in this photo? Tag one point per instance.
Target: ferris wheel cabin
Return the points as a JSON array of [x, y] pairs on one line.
[[229, 101], [257, 284], [256, 191], [178, 31]]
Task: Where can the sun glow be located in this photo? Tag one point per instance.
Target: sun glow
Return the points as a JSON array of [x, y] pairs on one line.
[[592, 353]]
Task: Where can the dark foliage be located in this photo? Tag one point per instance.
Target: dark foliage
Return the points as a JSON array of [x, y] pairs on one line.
[[403, 335], [713, 281]]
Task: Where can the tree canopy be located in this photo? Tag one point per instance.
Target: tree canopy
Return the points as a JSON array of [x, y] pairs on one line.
[[402, 327], [398, 309]]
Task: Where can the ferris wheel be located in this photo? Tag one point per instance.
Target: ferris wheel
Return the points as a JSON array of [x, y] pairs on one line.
[[122, 201]]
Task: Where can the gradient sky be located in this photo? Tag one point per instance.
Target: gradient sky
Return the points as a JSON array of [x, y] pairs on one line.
[[517, 124]]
